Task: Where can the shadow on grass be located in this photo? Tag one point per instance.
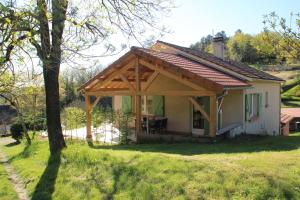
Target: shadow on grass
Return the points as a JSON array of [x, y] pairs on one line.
[[13, 144], [242, 144], [46, 185]]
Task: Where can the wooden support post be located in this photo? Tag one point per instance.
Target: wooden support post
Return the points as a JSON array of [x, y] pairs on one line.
[[96, 102], [138, 111], [212, 116], [88, 117], [199, 108]]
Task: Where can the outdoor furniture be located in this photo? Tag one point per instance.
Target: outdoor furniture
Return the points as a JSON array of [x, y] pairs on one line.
[[156, 125], [164, 124]]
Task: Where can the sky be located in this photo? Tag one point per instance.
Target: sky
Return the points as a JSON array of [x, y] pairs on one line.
[[193, 19]]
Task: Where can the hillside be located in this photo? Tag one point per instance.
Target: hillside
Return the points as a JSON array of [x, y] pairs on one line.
[[291, 88]]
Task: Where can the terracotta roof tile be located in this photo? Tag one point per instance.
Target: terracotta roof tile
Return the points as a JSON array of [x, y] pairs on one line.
[[199, 69], [237, 67], [285, 118], [294, 112]]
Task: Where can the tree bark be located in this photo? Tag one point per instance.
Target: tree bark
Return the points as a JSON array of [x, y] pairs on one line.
[[55, 136], [50, 53]]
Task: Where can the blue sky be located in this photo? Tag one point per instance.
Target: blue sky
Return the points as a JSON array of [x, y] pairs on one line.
[[193, 19]]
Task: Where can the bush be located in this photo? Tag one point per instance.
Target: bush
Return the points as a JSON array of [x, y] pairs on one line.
[[17, 130], [73, 117], [118, 119]]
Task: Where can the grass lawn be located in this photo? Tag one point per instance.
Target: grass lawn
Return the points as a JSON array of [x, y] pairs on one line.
[[7, 191], [245, 168], [290, 89]]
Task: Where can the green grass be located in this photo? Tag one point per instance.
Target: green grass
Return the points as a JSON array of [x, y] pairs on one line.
[[291, 92], [245, 168], [7, 191]]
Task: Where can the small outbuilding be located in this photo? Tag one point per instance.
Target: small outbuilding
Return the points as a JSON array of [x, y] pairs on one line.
[[290, 120]]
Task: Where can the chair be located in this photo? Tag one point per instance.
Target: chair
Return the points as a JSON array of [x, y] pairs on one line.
[[164, 123], [155, 126]]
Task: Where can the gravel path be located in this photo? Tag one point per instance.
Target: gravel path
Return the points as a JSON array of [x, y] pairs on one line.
[[13, 177]]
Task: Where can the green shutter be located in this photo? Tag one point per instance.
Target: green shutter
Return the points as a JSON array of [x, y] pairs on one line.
[[248, 106], [126, 104], [206, 105], [158, 106], [259, 104]]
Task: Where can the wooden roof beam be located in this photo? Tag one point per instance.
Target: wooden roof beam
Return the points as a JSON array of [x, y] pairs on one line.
[[150, 80], [125, 80]]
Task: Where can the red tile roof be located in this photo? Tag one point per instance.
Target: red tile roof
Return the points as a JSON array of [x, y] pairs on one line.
[[237, 67], [197, 68], [285, 118], [294, 112]]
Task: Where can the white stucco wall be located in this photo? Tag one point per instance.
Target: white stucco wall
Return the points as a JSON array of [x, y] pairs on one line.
[[269, 120], [178, 112], [232, 108]]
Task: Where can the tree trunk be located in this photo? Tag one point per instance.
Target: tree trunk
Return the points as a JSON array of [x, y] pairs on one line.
[[25, 130], [50, 54], [55, 136]]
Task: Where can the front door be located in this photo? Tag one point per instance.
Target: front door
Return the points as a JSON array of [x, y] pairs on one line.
[[197, 120]]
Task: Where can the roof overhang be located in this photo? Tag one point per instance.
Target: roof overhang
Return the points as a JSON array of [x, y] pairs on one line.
[[148, 60]]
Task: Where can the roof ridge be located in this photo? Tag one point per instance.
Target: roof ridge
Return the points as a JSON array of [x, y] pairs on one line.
[[148, 49], [229, 63]]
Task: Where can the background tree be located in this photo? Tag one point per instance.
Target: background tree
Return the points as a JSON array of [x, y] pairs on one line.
[[241, 49], [287, 38], [42, 23], [205, 43], [11, 92]]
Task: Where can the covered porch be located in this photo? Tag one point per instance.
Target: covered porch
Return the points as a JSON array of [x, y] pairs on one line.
[[140, 75]]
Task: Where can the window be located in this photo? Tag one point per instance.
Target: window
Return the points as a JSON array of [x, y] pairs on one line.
[[153, 105], [147, 102], [252, 106]]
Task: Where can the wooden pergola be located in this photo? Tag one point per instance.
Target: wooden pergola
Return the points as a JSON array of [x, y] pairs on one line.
[[133, 74]]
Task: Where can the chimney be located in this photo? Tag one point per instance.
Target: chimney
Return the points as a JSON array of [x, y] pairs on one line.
[[219, 47]]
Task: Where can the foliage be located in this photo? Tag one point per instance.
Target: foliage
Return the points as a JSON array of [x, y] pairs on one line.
[[205, 43], [287, 38], [245, 168], [122, 122], [17, 130], [65, 31], [116, 118], [73, 117], [241, 49], [267, 47]]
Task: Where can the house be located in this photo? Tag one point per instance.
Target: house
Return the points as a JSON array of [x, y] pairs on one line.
[[200, 94], [290, 120]]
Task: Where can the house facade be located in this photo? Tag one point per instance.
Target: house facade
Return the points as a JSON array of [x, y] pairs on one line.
[[199, 93]]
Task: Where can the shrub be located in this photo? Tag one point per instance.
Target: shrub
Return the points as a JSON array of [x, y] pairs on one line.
[[17, 130], [118, 119], [73, 117]]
